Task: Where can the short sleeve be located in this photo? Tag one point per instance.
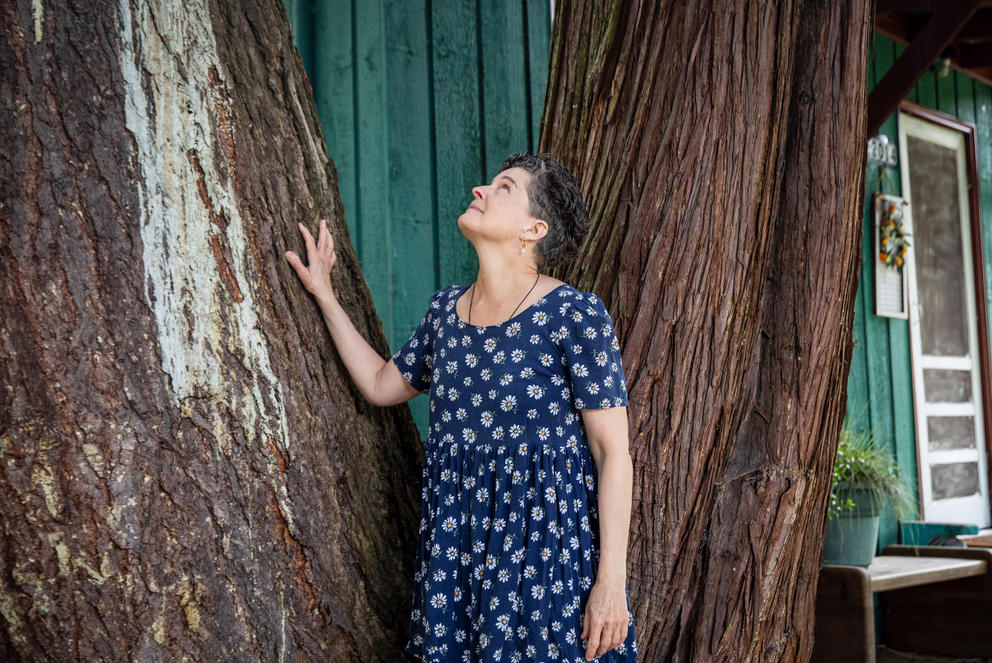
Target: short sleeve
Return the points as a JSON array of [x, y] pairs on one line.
[[591, 354], [416, 358]]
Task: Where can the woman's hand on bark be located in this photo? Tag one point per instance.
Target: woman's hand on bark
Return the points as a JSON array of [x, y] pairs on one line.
[[316, 276], [605, 621]]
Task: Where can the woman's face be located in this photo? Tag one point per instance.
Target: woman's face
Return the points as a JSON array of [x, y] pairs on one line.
[[500, 211]]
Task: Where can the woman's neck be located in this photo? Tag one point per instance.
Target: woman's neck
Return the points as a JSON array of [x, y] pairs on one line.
[[503, 289], [500, 281]]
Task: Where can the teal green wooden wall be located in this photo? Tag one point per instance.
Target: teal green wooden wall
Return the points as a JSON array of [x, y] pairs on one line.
[[420, 100], [880, 395]]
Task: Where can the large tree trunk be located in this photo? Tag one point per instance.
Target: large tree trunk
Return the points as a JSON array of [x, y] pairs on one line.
[[186, 469], [721, 147]]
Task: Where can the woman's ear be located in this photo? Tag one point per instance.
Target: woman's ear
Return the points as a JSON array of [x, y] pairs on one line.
[[537, 230]]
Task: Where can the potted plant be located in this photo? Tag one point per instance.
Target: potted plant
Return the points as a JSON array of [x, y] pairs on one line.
[[865, 480]]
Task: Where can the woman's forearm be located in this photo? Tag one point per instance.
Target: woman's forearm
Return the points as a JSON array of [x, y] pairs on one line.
[[362, 361], [616, 473]]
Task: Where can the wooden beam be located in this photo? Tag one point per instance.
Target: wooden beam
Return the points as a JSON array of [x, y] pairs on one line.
[[978, 28], [973, 55], [949, 18], [904, 27]]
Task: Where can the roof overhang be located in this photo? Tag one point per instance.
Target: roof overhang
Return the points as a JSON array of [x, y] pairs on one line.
[[960, 30]]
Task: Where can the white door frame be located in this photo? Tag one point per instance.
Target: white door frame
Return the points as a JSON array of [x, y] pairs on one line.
[[958, 136]]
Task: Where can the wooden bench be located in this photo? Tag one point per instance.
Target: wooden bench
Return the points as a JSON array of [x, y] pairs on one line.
[[934, 600]]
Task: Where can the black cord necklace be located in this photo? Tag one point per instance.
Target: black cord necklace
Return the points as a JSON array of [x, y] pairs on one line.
[[472, 298]]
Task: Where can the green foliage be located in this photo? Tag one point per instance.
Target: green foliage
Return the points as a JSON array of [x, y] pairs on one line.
[[866, 478]]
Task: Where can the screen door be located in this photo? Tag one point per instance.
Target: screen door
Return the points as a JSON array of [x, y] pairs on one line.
[[947, 389]]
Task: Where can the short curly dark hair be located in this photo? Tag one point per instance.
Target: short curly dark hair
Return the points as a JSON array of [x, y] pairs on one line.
[[555, 197]]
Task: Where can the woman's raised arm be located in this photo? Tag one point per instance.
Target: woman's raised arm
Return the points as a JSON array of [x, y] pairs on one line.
[[380, 381]]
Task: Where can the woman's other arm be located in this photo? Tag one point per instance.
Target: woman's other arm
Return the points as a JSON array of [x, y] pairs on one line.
[[607, 433], [380, 381], [606, 615]]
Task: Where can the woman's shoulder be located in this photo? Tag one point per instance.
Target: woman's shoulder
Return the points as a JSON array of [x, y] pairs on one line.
[[443, 300], [572, 312], [446, 293], [569, 297], [446, 296], [566, 293]]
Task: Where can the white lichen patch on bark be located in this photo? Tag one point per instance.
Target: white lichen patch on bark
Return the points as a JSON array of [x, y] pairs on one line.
[[282, 626], [43, 477], [97, 577], [158, 626], [10, 612], [55, 539], [94, 459], [188, 603], [201, 326], [39, 18]]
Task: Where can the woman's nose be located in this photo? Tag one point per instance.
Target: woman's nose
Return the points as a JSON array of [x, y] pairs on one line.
[[479, 192]]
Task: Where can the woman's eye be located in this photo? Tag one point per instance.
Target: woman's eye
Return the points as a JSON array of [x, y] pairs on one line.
[[505, 186]]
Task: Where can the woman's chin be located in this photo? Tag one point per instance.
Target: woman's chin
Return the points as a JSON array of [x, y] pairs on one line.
[[465, 224]]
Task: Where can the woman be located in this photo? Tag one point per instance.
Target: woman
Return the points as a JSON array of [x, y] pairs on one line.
[[521, 556]]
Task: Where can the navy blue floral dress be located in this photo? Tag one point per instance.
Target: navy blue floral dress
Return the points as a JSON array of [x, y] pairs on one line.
[[509, 533]]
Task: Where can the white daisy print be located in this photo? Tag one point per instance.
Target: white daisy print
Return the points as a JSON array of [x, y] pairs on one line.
[[506, 553]]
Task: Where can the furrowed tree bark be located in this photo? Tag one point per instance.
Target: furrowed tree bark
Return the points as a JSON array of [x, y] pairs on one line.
[[187, 470], [721, 147]]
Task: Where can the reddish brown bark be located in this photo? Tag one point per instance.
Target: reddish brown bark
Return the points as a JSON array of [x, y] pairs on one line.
[[187, 472], [721, 147]]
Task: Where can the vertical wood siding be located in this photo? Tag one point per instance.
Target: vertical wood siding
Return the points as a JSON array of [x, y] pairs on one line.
[[420, 100], [880, 394]]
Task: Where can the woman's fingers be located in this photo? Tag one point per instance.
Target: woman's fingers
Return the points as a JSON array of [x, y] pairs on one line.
[[320, 252], [607, 640], [311, 245], [297, 264], [315, 275], [325, 235], [322, 237], [604, 641], [325, 246], [294, 260], [604, 635], [619, 635], [595, 635]]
